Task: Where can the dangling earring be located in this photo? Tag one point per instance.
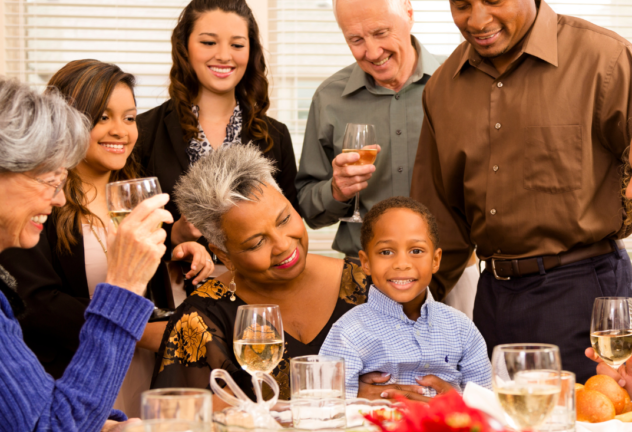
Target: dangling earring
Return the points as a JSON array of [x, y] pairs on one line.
[[232, 287]]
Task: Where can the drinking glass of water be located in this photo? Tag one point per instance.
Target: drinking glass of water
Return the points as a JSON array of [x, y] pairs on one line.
[[526, 380], [610, 330], [191, 405], [258, 337], [123, 196], [318, 392]]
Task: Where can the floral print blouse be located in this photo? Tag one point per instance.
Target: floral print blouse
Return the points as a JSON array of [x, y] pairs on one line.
[[199, 336], [199, 146]]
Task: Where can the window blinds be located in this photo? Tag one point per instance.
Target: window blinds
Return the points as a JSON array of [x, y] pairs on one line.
[[306, 45], [43, 35]]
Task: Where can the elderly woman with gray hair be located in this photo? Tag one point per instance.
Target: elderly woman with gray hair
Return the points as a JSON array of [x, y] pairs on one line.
[[40, 138], [232, 198]]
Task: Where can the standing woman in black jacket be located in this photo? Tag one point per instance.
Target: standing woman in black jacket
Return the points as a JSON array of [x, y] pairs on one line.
[[219, 97]]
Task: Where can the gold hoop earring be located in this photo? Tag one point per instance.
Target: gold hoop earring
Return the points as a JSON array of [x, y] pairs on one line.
[[232, 286]]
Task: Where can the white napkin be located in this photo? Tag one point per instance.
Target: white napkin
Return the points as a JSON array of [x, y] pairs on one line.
[[482, 399]]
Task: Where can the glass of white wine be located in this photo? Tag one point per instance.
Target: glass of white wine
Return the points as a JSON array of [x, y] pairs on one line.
[[526, 380], [123, 196], [610, 330], [361, 139], [258, 337]]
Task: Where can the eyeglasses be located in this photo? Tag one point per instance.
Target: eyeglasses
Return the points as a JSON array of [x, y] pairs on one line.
[[57, 186]]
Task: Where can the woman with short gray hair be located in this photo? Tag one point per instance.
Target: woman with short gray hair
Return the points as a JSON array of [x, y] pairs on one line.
[[231, 197], [41, 137]]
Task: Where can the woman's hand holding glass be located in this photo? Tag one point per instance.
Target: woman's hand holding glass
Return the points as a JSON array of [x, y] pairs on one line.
[[137, 245]]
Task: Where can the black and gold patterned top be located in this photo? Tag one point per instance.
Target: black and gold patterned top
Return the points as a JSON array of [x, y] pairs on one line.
[[199, 336]]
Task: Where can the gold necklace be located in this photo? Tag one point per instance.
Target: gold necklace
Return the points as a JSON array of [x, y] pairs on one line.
[[105, 251]]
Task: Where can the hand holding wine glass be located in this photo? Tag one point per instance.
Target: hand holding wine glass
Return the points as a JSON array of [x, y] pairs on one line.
[[526, 380], [135, 250], [362, 140], [258, 339], [611, 330]]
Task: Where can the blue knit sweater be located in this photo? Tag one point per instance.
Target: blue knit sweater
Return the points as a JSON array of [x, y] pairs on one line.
[[31, 400]]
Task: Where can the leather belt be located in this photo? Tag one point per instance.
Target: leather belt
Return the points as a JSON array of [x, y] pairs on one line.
[[506, 269]]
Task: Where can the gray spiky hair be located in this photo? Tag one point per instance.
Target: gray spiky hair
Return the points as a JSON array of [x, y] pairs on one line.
[[219, 181]]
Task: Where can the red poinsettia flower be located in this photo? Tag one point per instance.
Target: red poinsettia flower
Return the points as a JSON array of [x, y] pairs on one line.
[[444, 413]]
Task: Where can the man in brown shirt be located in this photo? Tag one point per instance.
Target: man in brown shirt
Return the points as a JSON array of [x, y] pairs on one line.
[[520, 156]]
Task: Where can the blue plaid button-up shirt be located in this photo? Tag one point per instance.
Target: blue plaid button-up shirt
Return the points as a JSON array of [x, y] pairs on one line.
[[378, 337]]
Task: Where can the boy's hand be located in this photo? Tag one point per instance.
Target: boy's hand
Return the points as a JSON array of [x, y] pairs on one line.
[[369, 390]]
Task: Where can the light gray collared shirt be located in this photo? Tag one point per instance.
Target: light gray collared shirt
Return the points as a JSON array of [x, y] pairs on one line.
[[352, 96]]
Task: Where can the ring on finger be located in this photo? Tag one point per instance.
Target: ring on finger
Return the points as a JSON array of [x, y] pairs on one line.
[[208, 260]]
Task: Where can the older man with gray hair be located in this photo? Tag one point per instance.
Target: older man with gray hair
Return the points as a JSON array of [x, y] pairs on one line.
[[383, 87]]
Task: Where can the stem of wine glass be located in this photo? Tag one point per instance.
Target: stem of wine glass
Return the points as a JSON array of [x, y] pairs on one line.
[[356, 211]]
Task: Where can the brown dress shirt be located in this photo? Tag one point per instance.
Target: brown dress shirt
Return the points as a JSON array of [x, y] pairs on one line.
[[526, 163]]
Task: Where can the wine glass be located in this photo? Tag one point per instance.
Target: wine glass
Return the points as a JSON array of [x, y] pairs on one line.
[[361, 139], [610, 330], [526, 380], [123, 196], [258, 337]]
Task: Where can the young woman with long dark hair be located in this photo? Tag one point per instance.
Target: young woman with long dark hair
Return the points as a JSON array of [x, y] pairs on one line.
[[219, 97]]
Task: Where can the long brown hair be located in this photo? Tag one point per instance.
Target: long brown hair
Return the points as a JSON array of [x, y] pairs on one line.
[[87, 85], [252, 90]]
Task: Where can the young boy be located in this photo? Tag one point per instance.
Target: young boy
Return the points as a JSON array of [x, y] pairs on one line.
[[402, 330]]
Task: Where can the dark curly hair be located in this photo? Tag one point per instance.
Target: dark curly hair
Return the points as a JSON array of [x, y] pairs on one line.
[[87, 86], [252, 90], [371, 218]]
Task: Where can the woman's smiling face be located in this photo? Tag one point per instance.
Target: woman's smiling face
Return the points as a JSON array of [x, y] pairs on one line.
[[219, 50], [27, 200], [113, 138], [266, 238]]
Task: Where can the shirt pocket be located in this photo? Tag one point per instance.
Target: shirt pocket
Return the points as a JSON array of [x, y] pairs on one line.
[[553, 158]]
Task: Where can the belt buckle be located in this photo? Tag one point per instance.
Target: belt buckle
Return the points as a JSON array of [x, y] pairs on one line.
[[496, 274]]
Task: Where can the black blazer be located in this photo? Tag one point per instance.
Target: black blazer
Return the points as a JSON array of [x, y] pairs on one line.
[[54, 288], [162, 151]]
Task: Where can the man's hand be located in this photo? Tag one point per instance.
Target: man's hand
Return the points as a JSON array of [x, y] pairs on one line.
[[369, 390], [623, 375], [349, 179]]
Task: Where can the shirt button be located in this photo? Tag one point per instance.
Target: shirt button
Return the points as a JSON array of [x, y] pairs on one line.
[[497, 126], [397, 96], [493, 211], [426, 365], [400, 169], [499, 84], [398, 132], [495, 168]]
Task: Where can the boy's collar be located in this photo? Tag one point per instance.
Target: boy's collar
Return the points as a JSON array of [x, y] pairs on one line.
[[387, 306]]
